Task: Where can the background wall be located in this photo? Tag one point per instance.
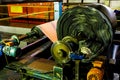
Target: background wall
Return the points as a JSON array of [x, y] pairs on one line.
[[114, 4]]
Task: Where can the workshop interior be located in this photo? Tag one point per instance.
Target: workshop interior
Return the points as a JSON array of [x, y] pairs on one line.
[[59, 39]]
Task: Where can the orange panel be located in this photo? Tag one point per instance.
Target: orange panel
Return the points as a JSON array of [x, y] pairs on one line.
[[47, 6], [20, 9], [17, 9]]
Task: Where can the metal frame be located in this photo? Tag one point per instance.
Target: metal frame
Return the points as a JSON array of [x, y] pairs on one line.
[[57, 10]]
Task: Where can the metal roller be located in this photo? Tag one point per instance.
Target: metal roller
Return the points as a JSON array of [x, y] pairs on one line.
[[91, 28], [61, 51]]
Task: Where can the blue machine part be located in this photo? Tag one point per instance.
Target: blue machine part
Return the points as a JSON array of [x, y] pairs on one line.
[[58, 10], [12, 51], [76, 56], [117, 11], [1, 47]]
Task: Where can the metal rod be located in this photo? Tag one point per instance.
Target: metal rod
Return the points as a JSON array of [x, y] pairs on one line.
[[36, 42], [25, 15], [82, 1], [27, 6], [115, 49], [98, 1], [118, 20], [109, 3], [32, 46], [42, 48], [3, 13], [22, 37], [77, 63]]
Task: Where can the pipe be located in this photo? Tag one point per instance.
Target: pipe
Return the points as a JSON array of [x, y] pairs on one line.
[[25, 15], [34, 44], [40, 50]]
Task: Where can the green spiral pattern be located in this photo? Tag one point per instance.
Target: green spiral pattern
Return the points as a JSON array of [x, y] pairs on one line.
[[86, 23]]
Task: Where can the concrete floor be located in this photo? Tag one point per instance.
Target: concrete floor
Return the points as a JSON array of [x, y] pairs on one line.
[[15, 30]]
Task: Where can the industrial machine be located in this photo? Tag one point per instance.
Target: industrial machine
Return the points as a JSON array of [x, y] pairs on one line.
[[85, 48]]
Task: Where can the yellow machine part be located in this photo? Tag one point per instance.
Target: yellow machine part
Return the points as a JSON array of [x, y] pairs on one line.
[[60, 52], [9, 44], [97, 64], [96, 73]]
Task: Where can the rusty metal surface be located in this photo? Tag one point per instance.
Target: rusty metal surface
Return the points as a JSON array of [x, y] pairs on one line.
[[39, 64], [42, 65], [7, 74]]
